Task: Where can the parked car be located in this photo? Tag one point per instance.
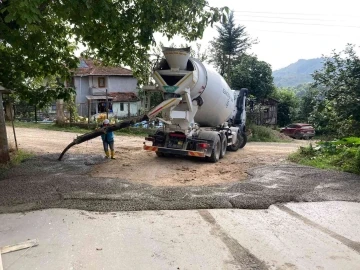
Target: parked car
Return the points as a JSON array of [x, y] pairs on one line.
[[299, 131]]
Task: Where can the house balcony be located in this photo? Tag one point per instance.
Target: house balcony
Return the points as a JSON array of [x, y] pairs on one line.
[[97, 91]]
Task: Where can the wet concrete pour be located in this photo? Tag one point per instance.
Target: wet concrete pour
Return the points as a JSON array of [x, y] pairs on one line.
[[43, 182]]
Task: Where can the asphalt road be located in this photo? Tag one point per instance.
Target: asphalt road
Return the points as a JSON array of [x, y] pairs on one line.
[[43, 182]]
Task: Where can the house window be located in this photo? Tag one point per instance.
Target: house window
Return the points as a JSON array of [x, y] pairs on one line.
[[122, 107], [101, 81]]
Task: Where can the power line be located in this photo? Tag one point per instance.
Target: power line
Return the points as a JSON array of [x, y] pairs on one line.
[[288, 18], [301, 33], [312, 24], [303, 14]]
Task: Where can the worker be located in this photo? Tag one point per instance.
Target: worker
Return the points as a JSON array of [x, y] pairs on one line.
[[108, 140]]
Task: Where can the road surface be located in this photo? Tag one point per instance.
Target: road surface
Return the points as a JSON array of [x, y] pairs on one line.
[[292, 236]]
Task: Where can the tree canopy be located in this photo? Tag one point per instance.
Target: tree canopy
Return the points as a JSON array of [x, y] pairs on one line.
[[249, 72], [232, 42], [287, 107], [337, 109], [38, 38]]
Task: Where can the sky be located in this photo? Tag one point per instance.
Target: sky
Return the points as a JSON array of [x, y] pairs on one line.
[[289, 30]]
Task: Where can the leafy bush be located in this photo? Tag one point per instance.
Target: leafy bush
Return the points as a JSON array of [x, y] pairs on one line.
[[264, 134], [16, 157], [343, 155]]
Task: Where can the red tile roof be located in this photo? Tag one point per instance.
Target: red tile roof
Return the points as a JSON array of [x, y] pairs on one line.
[[124, 97], [92, 68]]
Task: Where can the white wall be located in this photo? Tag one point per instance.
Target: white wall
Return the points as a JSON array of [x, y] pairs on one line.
[[122, 84], [134, 108], [82, 89]]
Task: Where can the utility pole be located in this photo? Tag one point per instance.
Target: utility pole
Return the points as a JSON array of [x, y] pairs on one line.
[[4, 147], [107, 105]]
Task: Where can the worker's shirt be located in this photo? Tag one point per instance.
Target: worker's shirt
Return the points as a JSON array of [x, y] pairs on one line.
[[108, 137]]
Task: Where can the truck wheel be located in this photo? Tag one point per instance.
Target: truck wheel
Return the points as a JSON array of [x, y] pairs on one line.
[[215, 154], [223, 147], [234, 147], [243, 141]]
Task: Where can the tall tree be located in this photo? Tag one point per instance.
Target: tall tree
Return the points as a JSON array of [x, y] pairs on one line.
[[308, 98], [288, 106], [249, 72], [35, 36], [338, 109], [231, 43]]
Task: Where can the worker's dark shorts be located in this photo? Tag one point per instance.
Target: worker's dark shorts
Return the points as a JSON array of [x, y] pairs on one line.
[[106, 146]]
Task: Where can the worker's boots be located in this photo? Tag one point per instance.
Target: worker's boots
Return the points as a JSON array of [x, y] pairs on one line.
[[112, 155], [107, 155]]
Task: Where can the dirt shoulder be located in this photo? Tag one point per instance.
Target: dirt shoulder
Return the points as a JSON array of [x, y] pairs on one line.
[[138, 166]]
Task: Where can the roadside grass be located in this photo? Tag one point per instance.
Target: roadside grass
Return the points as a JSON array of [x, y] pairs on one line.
[[54, 127], [130, 131], [341, 155], [265, 134], [16, 157]]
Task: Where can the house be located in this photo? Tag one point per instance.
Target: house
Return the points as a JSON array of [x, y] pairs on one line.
[[95, 84], [125, 104], [270, 108], [265, 113]]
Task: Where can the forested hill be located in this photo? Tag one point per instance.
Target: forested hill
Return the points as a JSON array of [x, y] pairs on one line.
[[297, 73]]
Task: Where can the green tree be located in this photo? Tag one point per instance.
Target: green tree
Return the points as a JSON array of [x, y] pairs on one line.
[[288, 106], [308, 100], [198, 52], [249, 72], [338, 109], [231, 43]]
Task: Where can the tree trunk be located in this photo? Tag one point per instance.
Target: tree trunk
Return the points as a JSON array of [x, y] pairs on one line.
[[229, 71], [60, 119], [4, 147], [35, 114], [9, 111]]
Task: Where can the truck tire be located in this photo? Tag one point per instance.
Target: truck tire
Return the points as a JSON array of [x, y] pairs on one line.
[[244, 140], [215, 154], [240, 142], [234, 147], [223, 146]]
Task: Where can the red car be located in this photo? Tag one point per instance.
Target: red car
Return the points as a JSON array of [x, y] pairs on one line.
[[299, 131]]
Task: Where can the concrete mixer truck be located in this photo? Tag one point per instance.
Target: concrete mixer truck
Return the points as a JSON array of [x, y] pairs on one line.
[[199, 113]]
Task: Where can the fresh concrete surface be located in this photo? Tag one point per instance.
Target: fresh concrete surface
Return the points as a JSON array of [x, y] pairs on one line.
[[322, 235]]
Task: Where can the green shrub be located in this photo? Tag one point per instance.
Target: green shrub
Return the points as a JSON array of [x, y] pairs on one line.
[[16, 157], [357, 158], [343, 155], [264, 134]]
